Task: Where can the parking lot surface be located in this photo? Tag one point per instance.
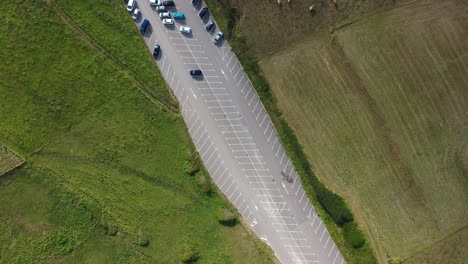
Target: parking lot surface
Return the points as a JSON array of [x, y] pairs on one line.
[[235, 137]]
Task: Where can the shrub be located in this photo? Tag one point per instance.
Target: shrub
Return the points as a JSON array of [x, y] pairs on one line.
[[143, 242], [192, 168], [191, 164], [190, 256], [226, 217], [334, 205], [204, 184], [112, 230], [353, 235]]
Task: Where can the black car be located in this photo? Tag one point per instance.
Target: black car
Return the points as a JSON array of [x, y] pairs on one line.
[[203, 12], [156, 51], [210, 25], [144, 26], [168, 3], [196, 72]]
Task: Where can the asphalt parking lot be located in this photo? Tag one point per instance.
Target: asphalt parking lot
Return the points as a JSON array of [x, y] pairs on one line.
[[235, 137]]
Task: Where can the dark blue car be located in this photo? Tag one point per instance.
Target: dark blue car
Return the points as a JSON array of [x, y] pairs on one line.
[[144, 26], [196, 72], [210, 25]]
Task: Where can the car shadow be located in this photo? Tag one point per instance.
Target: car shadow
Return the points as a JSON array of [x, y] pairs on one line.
[[206, 18], [220, 42], [170, 27], [159, 55], [212, 31], [198, 77], [198, 5], [187, 35]]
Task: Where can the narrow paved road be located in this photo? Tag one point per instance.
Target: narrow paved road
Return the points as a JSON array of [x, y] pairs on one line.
[[236, 139]]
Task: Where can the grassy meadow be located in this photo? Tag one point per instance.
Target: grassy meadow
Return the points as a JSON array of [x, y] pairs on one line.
[[380, 109], [104, 179]]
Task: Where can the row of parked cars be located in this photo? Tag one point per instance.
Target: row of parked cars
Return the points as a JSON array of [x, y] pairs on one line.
[[168, 19]]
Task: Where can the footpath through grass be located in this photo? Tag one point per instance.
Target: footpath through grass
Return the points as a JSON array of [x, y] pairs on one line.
[[106, 178]]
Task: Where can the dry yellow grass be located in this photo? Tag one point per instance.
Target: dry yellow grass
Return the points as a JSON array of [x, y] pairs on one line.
[[381, 113], [451, 250], [8, 160]]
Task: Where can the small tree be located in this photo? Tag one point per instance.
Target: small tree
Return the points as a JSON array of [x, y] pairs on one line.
[[226, 217], [190, 256]]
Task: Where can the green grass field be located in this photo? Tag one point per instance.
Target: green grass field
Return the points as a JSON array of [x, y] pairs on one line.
[[380, 108], [104, 179]]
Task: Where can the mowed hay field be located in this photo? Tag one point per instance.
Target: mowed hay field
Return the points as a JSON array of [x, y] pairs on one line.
[[380, 107], [267, 26], [105, 176], [8, 160]]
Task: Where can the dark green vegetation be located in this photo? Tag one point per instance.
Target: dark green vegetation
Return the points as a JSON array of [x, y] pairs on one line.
[[353, 235], [331, 207], [226, 217], [104, 179]]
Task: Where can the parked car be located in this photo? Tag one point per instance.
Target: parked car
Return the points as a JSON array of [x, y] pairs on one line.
[[136, 14], [203, 12], [218, 37], [168, 21], [165, 15], [156, 51], [185, 29], [131, 5], [160, 8], [196, 72], [144, 26], [179, 16], [155, 2], [169, 3], [209, 25]]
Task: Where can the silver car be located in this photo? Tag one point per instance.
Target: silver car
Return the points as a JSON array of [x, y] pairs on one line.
[[160, 8], [165, 15], [184, 29], [136, 14], [168, 21]]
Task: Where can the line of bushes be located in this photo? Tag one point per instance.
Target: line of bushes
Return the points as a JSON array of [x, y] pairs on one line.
[[334, 205]]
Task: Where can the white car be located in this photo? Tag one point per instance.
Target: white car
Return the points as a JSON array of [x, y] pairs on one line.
[[168, 21], [187, 30], [131, 5], [156, 2], [165, 15], [136, 14], [160, 8]]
